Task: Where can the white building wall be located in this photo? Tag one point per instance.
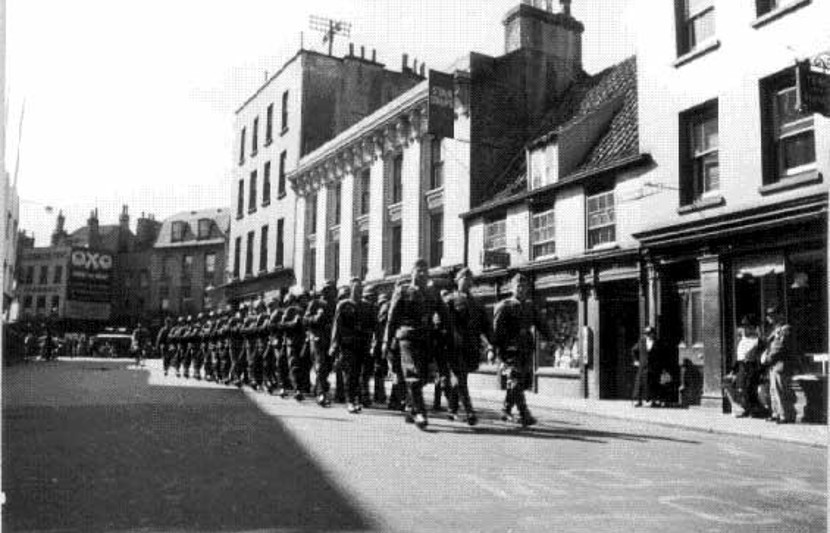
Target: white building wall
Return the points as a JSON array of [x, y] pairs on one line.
[[569, 215], [377, 217], [322, 236], [456, 156], [413, 207]]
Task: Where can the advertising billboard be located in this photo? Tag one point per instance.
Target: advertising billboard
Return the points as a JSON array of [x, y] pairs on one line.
[[89, 284]]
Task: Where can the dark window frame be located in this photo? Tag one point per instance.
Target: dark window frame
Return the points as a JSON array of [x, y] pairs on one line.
[[263, 249], [252, 192], [280, 251], [269, 124], [281, 181], [266, 184], [249, 254], [697, 161], [687, 39]]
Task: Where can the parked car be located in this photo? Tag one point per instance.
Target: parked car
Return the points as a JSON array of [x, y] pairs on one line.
[[112, 343]]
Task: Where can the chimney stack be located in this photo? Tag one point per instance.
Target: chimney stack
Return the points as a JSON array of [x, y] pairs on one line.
[[374, 55], [566, 7], [362, 52], [405, 63], [351, 49]]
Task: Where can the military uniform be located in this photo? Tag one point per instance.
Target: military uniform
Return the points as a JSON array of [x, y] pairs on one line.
[[318, 322], [468, 322], [378, 358], [235, 348], [513, 337], [163, 345], [293, 340], [350, 337]]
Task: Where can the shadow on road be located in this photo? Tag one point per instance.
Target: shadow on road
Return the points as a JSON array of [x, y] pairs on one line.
[[192, 459]]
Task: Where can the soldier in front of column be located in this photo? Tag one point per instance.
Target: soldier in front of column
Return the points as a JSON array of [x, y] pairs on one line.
[[471, 332], [367, 361], [236, 351], [780, 358], [411, 322], [318, 322], [513, 336], [277, 339], [350, 336], [259, 342], [378, 358], [294, 338], [163, 344]]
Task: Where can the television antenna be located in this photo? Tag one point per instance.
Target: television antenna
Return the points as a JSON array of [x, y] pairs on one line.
[[330, 28]]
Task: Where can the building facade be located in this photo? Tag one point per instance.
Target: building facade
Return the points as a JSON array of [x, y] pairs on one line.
[[307, 102], [188, 262], [735, 210], [42, 281], [392, 187]]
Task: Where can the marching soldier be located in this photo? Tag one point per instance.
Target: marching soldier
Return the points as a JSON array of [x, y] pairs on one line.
[[256, 343], [199, 347], [294, 338], [236, 347], [209, 342], [277, 336], [411, 323], [224, 346], [470, 329], [163, 344], [175, 339], [350, 336], [318, 323], [188, 341], [217, 345], [269, 355], [515, 318], [378, 358], [367, 361]]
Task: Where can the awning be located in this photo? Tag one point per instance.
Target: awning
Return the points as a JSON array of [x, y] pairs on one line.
[[758, 266]]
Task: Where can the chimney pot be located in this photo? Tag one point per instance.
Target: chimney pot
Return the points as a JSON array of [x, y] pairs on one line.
[[405, 62], [566, 7], [351, 49], [362, 52], [423, 69], [374, 55]]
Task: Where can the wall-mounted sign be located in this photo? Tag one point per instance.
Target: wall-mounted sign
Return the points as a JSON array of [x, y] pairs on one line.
[[441, 104], [495, 258], [813, 87], [89, 284]]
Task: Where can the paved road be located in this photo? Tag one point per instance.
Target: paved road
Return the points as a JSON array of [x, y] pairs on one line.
[[101, 446]]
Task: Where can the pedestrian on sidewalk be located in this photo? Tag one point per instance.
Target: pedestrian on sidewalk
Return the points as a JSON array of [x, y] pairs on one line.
[[515, 320], [648, 358], [748, 368], [781, 360]]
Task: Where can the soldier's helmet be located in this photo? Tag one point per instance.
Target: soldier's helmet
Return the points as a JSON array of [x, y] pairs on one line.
[[212, 314], [190, 318], [168, 321], [180, 320], [259, 306], [289, 298], [343, 293], [383, 298], [369, 291], [200, 316]]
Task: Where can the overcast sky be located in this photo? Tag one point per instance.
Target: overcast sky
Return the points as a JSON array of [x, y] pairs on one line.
[[132, 101]]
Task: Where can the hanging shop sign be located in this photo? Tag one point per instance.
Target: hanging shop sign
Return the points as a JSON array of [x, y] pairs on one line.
[[813, 86], [495, 259], [441, 105]]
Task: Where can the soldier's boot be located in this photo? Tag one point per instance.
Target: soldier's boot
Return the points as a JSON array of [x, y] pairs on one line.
[[380, 390], [507, 408], [365, 396], [525, 418], [436, 397]]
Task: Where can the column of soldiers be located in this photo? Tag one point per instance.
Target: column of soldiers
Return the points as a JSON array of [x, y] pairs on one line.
[[362, 339]]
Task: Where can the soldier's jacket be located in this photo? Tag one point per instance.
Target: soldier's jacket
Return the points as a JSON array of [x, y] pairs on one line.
[[220, 331], [249, 327], [204, 331], [318, 319], [235, 331], [468, 322], [162, 337], [354, 323], [292, 326], [379, 330], [275, 327], [261, 328], [513, 327], [415, 314]]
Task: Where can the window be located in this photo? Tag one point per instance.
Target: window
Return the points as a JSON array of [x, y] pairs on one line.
[[699, 168], [364, 254], [210, 265], [789, 137], [281, 184], [30, 275], [336, 201], [601, 219], [269, 124], [765, 6], [167, 268], [204, 228], [335, 259], [44, 275], [249, 255], [365, 191], [543, 233], [263, 249], [41, 303], [177, 231], [280, 242], [696, 23], [56, 302], [237, 251], [396, 241], [437, 166], [242, 147], [240, 199], [255, 137], [266, 184], [311, 214], [58, 275], [27, 301], [164, 298], [397, 178], [284, 111], [187, 267], [252, 193], [436, 238], [495, 235]]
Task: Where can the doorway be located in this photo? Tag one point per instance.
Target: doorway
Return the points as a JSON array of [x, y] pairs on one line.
[[619, 326]]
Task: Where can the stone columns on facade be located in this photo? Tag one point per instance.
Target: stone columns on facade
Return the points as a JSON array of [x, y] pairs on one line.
[[589, 318], [321, 232], [346, 228], [413, 207], [377, 219], [711, 286]]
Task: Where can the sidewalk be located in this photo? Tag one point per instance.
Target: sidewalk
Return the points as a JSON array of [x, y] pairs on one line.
[[694, 418]]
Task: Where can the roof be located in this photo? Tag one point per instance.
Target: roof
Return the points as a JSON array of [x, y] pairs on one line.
[[108, 235], [220, 223], [618, 144]]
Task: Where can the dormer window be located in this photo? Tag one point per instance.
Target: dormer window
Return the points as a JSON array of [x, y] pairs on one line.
[[204, 228], [178, 231]]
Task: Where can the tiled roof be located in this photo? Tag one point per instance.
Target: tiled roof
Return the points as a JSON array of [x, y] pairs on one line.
[[220, 217], [108, 235], [619, 142]]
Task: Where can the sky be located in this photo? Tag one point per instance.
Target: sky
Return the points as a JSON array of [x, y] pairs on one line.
[[132, 101]]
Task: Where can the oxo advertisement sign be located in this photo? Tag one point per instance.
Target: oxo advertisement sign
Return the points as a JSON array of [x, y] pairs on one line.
[[90, 276]]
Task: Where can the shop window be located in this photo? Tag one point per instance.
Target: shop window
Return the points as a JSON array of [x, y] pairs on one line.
[[543, 234], [263, 249], [789, 137], [691, 316], [436, 238], [807, 303], [562, 349], [495, 235], [695, 24], [699, 166], [601, 219]]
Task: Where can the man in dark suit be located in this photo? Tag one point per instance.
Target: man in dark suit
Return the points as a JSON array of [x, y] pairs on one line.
[[648, 357], [782, 363]]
